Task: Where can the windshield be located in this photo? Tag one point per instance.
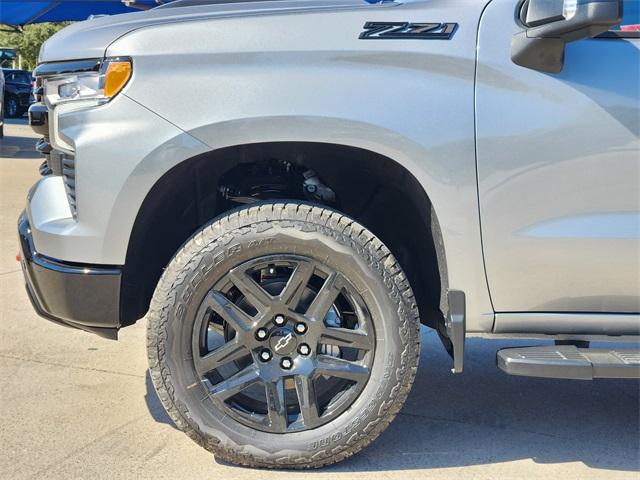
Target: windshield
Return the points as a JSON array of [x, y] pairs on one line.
[[7, 55], [17, 77]]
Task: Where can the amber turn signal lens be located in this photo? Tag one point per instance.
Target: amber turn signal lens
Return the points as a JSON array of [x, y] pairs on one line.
[[116, 76]]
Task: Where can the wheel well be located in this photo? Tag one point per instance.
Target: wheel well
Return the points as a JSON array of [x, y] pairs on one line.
[[371, 188]]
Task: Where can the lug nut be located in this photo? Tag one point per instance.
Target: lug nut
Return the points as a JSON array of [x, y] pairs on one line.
[[286, 363], [262, 333], [265, 355], [304, 349], [301, 327], [279, 320]]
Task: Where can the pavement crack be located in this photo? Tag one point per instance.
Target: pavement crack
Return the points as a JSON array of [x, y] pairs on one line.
[[57, 464], [9, 272], [54, 364]]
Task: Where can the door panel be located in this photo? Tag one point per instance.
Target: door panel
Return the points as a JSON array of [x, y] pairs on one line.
[[559, 173]]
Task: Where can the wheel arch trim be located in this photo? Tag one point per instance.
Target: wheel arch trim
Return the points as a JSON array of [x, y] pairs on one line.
[[455, 207]]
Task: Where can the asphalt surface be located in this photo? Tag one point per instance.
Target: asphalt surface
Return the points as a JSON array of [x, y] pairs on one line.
[[73, 405]]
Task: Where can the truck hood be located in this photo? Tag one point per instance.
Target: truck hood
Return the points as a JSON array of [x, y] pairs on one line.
[[90, 39]]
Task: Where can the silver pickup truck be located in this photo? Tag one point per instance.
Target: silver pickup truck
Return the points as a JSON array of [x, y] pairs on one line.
[[286, 190]]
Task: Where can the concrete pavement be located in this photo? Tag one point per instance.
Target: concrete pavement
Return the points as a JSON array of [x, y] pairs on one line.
[[73, 405]]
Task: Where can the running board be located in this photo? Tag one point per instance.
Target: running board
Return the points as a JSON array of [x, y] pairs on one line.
[[567, 361]]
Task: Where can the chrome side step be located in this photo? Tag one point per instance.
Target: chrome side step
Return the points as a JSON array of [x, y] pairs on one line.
[[567, 361]]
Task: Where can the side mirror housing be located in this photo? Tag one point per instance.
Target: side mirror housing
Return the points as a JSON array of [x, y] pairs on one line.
[[551, 24]]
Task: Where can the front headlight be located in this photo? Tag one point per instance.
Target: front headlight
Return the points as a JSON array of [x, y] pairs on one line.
[[98, 86]]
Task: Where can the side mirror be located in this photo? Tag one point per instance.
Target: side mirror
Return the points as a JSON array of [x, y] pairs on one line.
[[551, 24]]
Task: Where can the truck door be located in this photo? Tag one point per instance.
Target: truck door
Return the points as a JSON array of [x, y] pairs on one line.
[[559, 171]]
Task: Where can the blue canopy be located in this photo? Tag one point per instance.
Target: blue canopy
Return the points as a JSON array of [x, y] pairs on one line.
[[23, 12]]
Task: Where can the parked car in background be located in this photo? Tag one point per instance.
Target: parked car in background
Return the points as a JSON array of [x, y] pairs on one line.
[[17, 92], [7, 57]]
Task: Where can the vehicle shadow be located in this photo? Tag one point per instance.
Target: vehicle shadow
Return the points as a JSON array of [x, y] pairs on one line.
[[15, 144], [154, 405], [485, 416]]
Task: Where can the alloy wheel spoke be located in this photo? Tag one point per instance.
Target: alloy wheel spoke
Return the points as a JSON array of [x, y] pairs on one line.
[[307, 400], [296, 284], [276, 405], [338, 367], [230, 351], [228, 310], [325, 297], [253, 292], [249, 317], [236, 383], [344, 337]]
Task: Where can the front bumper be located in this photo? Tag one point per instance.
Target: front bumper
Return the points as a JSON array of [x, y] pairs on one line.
[[25, 100], [78, 296]]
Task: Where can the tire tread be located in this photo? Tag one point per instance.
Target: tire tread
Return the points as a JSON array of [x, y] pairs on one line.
[[331, 223]]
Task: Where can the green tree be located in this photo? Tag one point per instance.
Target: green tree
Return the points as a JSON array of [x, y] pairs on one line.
[[28, 39]]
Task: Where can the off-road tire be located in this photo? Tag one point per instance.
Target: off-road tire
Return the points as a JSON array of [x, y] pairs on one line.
[[269, 228]]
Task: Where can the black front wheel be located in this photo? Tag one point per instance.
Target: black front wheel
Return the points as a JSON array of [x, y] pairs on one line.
[[11, 107], [283, 335]]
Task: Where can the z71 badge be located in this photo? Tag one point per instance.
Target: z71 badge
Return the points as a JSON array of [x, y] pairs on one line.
[[408, 31]]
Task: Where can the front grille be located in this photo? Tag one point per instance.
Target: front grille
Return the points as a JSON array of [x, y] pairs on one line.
[[57, 162], [37, 90], [69, 178]]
